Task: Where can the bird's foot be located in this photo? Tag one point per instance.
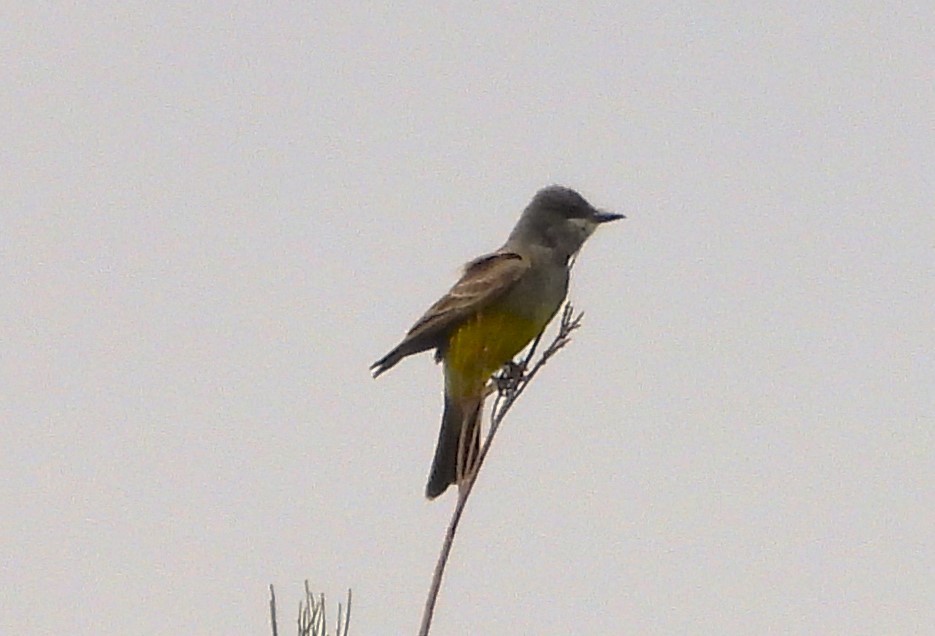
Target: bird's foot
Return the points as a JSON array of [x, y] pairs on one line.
[[509, 377]]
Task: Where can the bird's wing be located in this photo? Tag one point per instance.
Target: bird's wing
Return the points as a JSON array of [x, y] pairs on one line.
[[484, 280]]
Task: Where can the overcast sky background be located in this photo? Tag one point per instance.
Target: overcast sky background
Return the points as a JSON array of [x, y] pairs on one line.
[[214, 218]]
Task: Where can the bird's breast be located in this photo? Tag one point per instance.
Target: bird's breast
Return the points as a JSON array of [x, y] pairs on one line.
[[486, 341]]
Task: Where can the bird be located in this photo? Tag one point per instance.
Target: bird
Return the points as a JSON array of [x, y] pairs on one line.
[[502, 301]]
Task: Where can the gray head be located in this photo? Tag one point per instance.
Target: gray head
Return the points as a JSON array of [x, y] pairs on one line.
[[561, 219]]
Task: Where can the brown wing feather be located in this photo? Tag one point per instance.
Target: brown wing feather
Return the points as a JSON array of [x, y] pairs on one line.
[[484, 280]]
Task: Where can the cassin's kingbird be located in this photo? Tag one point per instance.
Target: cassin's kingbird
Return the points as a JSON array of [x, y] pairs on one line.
[[502, 301]]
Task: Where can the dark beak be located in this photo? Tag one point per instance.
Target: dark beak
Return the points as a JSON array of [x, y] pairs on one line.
[[602, 216]]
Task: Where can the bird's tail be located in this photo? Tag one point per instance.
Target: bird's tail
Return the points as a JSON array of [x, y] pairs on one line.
[[459, 422]]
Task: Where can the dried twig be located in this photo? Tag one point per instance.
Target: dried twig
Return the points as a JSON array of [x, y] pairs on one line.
[[509, 384], [312, 620], [272, 610]]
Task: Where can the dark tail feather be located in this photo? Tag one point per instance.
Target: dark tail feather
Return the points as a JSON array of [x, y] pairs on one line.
[[445, 465]]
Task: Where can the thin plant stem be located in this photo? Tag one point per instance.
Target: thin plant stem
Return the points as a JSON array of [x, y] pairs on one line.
[[509, 385]]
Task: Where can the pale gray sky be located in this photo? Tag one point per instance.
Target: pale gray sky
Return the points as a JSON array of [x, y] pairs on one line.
[[215, 218]]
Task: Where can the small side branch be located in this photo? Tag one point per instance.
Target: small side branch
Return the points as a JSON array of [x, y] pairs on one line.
[[311, 620], [272, 610]]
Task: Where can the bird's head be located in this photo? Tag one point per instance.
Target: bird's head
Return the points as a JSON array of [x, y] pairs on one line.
[[561, 219]]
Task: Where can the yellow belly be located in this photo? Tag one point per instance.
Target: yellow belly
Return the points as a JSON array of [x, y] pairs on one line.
[[483, 344]]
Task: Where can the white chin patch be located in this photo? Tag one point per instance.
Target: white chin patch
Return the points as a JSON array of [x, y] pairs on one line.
[[585, 227]]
